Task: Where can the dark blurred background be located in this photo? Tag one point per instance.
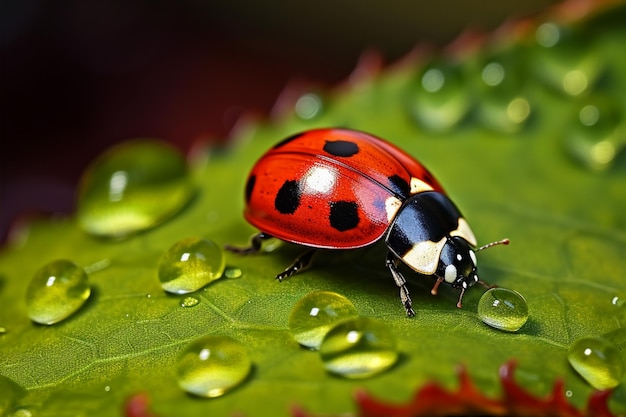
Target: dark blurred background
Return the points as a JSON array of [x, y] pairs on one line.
[[78, 76]]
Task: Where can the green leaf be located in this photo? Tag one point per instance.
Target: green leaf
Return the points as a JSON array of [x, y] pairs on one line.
[[566, 221]]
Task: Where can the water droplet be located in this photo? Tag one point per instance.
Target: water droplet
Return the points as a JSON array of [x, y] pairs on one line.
[[190, 264], [132, 187], [308, 106], [595, 135], [314, 315], [56, 291], [493, 74], [503, 105], [107, 388], [212, 365], [565, 59], [21, 412], [233, 272], [189, 302], [358, 348], [548, 34], [597, 361], [503, 309], [440, 101]]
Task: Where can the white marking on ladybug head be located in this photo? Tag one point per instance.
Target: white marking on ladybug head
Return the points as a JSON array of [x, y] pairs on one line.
[[450, 274], [423, 257], [473, 256], [464, 284], [459, 257], [463, 230], [475, 278], [392, 205], [418, 186], [320, 179]]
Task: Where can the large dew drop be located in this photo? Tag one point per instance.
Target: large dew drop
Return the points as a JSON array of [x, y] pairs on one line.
[[132, 187], [212, 365], [56, 291], [358, 348], [313, 316], [598, 361], [503, 309], [190, 264]]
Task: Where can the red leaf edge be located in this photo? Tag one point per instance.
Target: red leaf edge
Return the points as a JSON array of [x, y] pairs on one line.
[[432, 400]]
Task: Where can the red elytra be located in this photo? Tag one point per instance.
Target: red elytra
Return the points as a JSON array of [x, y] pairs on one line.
[[329, 188]]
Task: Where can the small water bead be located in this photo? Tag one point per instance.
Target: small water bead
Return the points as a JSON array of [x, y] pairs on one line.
[[132, 187], [440, 101], [190, 264], [212, 365], [233, 272], [189, 302], [358, 348], [598, 361], [503, 309], [314, 315], [56, 291]]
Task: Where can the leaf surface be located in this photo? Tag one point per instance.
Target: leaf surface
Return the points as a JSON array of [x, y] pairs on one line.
[[566, 222]]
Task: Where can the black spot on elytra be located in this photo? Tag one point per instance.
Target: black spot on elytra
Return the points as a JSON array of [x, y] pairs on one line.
[[288, 197], [344, 215], [287, 140], [399, 186], [342, 148], [250, 187]]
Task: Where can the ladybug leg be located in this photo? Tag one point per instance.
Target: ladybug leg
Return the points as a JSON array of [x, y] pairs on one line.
[[392, 264], [256, 242], [301, 263]]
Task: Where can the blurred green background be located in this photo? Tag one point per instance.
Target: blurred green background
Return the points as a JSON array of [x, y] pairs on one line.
[[77, 77]]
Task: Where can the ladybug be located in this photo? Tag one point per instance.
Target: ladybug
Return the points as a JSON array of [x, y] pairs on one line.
[[345, 189]]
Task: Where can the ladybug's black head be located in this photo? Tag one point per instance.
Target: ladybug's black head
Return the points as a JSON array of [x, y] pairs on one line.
[[457, 264]]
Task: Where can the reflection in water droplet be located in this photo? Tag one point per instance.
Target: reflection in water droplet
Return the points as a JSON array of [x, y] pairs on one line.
[[597, 361], [596, 136], [503, 309], [212, 365], [133, 186], [308, 106], [189, 302], [433, 80], [358, 348], [56, 291], [190, 264], [313, 316], [439, 100]]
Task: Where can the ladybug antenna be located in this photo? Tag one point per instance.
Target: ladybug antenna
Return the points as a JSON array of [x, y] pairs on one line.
[[498, 242]]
